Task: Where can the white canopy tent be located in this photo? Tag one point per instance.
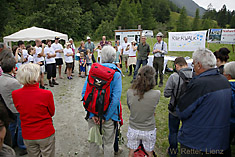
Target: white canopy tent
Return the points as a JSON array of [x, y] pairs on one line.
[[33, 33]]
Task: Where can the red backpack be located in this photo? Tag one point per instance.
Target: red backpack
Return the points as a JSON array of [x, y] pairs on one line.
[[97, 96]]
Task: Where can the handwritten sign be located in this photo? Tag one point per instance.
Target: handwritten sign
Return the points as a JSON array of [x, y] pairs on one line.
[[187, 41]]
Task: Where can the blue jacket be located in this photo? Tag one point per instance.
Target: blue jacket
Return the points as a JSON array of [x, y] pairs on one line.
[[115, 94], [205, 112], [232, 83]]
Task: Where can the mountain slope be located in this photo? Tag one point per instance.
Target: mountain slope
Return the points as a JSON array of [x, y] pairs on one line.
[[190, 6]]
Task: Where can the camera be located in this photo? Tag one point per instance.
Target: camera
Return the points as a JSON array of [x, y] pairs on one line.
[[171, 107]]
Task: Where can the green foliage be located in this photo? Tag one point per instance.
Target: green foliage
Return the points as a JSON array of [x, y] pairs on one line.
[[148, 21], [182, 24], [196, 23], [105, 28], [222, 17], [232, 23], [124, 17], [161, 11]]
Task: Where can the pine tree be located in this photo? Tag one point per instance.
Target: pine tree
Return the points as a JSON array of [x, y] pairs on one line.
[[232, 23], [148, 20], [124, 16], [182, 24], [196, 24], [222, 17]]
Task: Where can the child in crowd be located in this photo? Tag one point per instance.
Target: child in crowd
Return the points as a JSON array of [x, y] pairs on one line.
[[88, 60], [82, 63], [118, 58], [31, 53], [68, 57], [98, 49]]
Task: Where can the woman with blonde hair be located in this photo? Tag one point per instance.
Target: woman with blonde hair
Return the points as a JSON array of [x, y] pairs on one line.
[[142, 101], [36, 108]]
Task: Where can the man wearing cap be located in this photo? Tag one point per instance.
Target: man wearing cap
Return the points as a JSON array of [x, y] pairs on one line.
[[90, 45], [143, 51], [59, 50], [159, 50]]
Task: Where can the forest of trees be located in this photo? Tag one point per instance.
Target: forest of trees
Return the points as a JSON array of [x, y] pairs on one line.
[[79, 18]]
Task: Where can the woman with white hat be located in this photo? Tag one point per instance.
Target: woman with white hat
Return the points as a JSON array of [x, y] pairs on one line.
[[132, 56]]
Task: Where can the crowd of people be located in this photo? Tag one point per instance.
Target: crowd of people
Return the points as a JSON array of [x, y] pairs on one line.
[[202, 97]]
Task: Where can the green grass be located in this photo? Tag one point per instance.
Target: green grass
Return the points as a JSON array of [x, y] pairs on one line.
[[161, 109]]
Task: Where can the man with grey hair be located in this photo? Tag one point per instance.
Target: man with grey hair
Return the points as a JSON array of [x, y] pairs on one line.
[[204, 108], [2, 46], [143, 51], [229, 73], [111, 117], [8, 84]]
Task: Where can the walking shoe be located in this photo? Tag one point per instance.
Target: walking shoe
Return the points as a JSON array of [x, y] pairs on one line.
[[54, 83], [23, 152], [42, 87], [51, 84], [126, 70], [129, 74], [160, 85], [120, 150]]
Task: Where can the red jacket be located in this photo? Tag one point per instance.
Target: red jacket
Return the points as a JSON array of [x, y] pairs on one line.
[[36, 108]]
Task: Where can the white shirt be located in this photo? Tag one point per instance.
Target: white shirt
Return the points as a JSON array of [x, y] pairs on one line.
[[57, 47], [119, 48], [99, 52], [132, 52], [49, 50], [68, 59], [25, 53], [38, 51], [160, 46], [124, 45]]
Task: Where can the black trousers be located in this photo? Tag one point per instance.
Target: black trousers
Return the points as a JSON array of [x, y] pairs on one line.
[[51, 71]]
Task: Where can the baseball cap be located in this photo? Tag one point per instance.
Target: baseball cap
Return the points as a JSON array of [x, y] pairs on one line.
[[159, 34], [88, 38], [57, 38]]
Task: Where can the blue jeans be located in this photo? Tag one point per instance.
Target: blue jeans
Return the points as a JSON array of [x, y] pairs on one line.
[[13, 129], [138, 64], [173, 125]]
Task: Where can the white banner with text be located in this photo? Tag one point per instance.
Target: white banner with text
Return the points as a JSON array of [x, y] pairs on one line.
[[186, 41]]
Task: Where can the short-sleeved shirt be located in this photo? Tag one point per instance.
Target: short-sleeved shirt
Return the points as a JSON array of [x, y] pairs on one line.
[[117, 57], [124, 45], [38, 51], [80, 49], [57, 46], [90, 46], [49, 50], [88, 60], [102, 44], [144, 50], [68, 59]]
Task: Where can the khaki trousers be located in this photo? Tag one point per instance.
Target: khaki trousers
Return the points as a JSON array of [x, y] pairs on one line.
[[108, 139], [158, 63], [41, 148]]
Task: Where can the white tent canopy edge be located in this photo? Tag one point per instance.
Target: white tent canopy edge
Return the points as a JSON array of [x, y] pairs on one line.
[[33, 33]]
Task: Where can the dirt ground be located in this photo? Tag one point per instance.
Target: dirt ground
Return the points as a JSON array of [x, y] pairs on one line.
[[71, 127]]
